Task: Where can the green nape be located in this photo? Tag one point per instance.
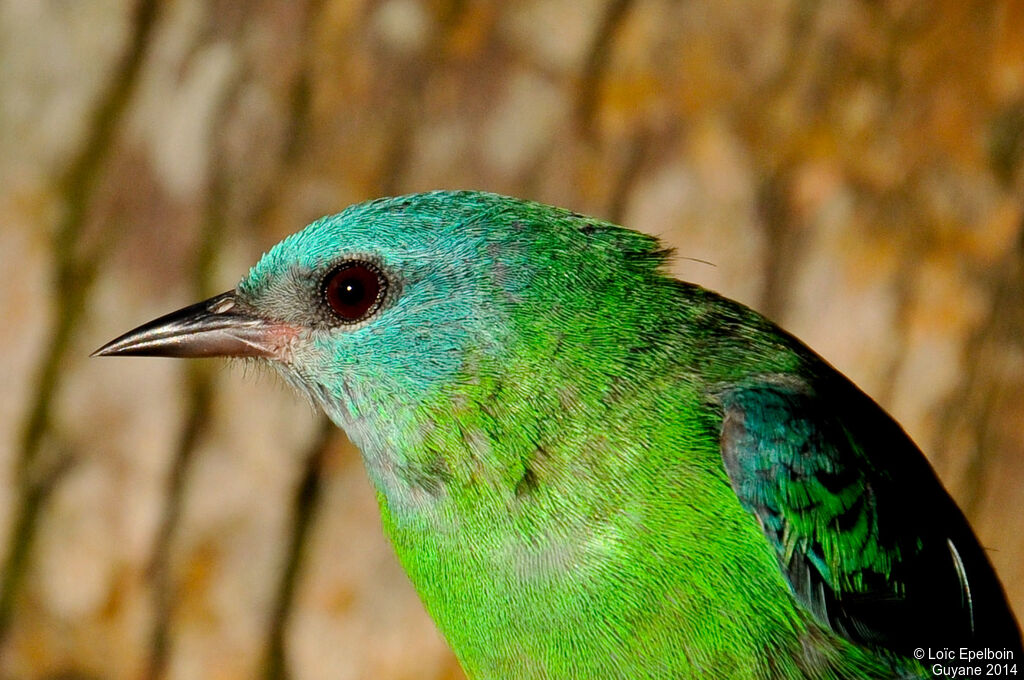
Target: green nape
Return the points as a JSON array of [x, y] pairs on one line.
[[591, 470]]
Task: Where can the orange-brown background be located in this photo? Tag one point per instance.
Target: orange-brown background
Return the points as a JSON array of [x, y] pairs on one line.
[[851, 168]]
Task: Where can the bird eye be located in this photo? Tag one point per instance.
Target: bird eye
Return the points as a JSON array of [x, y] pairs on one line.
[[354, 290]]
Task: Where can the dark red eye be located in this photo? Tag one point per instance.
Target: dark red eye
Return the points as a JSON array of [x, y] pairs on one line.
[[354, 290]]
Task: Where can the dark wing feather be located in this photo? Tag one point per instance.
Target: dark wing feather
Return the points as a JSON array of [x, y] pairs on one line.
[[869, 541]]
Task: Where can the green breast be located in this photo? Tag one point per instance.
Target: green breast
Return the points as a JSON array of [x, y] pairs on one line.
[[623, 554]]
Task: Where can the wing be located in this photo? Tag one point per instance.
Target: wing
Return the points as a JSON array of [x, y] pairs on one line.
[[869, 541]]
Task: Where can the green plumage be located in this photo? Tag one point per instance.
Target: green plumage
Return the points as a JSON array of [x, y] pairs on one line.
[[591, 470]]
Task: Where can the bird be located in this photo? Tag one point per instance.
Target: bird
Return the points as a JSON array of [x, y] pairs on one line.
[[590, 469]]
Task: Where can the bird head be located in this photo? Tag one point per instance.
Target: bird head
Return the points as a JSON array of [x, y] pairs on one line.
[[401, 302]]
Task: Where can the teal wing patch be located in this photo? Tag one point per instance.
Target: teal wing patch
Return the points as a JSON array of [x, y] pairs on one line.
[[869, 541]]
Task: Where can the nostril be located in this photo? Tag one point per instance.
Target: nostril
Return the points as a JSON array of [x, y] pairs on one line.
[[222, 305]]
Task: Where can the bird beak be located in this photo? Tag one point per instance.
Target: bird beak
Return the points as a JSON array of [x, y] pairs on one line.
[[218, 327]]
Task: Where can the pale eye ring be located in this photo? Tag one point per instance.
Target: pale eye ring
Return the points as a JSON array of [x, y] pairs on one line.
[[354, 290]]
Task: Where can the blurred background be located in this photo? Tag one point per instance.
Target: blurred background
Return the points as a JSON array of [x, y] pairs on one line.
[[853, 169]]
